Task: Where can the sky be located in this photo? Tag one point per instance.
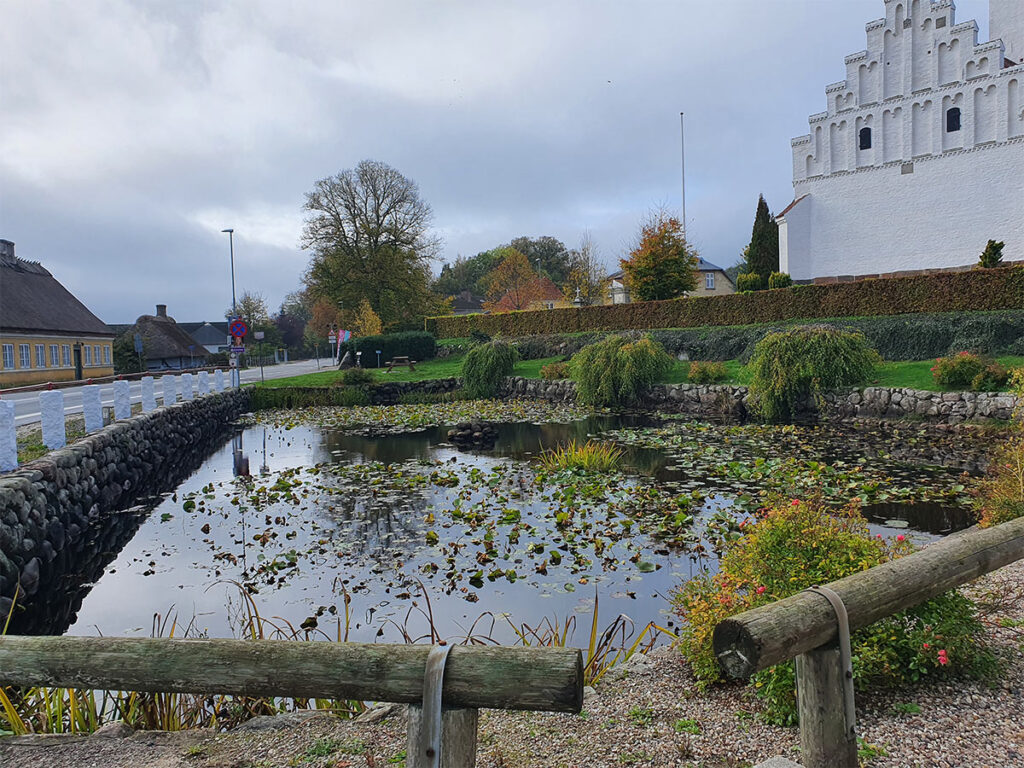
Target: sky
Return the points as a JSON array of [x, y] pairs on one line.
[[132, 133]]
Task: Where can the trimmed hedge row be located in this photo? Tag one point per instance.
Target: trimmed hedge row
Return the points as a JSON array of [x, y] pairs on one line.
[[416, 345], [896, 337], [973, 290]]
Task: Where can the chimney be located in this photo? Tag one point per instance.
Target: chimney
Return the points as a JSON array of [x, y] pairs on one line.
[[161, 310], [6, 248]]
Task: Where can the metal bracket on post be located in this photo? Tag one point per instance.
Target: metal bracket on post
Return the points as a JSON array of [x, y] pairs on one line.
[[428, 740], [845, 654]]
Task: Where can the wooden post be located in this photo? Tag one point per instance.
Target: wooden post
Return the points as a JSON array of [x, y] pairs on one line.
[[825, 740], [458, 739]]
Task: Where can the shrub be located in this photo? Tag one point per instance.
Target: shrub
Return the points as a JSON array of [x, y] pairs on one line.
[[792, 365], [479, 336], [966, 370], [992, 256], [356, 377], [749, 281], [486, 367], [416, 345], [706, 373], [553, 371], [1001, 496], [617, 371], [779, 280], [796, 545], [973, 290], [591, 456]]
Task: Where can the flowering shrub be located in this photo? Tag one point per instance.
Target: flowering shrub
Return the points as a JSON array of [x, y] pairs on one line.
[[795, 545], [553, 371], [707, 373], [966, 370]]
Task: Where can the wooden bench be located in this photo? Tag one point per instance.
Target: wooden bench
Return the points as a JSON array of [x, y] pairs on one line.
[[400, 362]]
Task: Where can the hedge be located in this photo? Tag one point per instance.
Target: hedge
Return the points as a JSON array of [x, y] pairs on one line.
[[972, 290], [416, 345]]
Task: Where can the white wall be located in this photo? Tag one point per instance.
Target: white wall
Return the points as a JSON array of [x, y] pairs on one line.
[[881, 220]]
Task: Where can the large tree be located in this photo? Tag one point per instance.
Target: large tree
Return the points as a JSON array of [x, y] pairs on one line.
[[468, 274], [369, 232], [513, 283], [587, 274], [547, 255], [251, 307], [662, 265], [762, 254]]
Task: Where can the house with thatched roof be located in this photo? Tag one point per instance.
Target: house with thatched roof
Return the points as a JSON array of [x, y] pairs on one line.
[[46, 334], [165, 344]]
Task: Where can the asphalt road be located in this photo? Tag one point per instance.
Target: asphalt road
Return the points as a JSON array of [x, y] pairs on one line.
[[26, 404]]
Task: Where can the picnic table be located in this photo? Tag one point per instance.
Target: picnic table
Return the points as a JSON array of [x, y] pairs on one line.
[[400, 362]]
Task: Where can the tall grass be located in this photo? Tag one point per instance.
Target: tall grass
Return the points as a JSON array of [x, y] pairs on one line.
[[592, 456]]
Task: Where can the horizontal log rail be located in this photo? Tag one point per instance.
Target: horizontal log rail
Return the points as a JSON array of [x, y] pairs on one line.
[[805, 627], [544, 679]]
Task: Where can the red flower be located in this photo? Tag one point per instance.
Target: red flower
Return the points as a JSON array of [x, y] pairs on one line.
[[943, 658], [926, 646], [901, 537], [760, 590], [794, 502]]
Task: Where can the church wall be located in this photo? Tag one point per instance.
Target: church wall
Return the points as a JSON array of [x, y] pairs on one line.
[[884, 220]]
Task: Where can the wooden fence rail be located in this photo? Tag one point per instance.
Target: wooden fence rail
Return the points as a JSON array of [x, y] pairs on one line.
[[804, 626], [546, 679]]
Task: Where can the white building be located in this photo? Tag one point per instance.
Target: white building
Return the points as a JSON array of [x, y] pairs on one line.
[[919, 159]]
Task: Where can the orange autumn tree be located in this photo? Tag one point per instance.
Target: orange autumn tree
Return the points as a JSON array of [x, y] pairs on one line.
[[662, 265], [513, 283]]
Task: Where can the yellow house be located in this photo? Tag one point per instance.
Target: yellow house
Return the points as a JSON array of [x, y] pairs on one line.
[[46, 334]]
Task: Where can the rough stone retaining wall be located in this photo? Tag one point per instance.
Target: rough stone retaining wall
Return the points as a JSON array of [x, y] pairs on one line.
[[59, 514], [871, 402]]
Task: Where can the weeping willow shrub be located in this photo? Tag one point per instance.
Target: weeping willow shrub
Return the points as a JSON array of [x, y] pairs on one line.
[[617, 371], [486, 366], [790, 366]]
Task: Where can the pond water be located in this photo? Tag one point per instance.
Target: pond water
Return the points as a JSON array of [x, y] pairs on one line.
[[405, 531]]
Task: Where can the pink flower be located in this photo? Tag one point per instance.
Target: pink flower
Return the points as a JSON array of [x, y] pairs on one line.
[[878, 535], [943, 658], [926, 646], [760, 590], [794, 502], [901, 537]]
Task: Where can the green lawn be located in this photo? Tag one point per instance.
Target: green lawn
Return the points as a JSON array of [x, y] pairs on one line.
[[914, 375]]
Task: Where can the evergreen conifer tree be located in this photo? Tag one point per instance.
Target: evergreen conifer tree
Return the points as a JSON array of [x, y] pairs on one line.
[[763, 251]]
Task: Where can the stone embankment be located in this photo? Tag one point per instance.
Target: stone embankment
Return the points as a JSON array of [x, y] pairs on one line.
[[63, 509]]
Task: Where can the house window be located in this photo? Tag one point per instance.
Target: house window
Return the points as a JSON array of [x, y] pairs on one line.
[[25, 353], [953, 120], [87, 351], [106, 355], [709, 281], [8, 355], [40, 355], [54, 356], [65, 350], [549, 305], [96, 354], [865, 138]]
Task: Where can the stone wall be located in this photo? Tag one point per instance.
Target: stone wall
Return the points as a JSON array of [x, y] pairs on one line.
[[59, 514]]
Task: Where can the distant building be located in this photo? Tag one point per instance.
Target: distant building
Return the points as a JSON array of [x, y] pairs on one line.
[[918, 159], [711, 281], [46, 334], [466, 303], [165, 344], [213, 337], [544, 295]]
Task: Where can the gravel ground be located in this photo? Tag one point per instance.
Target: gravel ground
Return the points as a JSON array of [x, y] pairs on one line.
[[647, 713]]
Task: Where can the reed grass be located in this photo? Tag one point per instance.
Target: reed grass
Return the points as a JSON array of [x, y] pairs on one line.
[[591, 456]]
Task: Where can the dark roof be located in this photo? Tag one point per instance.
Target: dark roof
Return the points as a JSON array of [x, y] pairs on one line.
[[707, 266], [32, 300], [221, 327], [207, 333], [467, 302], [162, 338]]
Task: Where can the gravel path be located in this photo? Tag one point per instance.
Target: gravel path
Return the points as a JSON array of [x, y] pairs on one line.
[[647, 713]]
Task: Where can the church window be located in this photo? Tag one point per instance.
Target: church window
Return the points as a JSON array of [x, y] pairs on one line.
[[953, 120], [940, 22], [907, 23], [907, 168], [865, 138]]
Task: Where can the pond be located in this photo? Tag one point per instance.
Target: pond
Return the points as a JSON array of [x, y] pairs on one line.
[[382, 532]]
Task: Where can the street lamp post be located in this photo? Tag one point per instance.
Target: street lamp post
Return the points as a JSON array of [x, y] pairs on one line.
[[236, 373]]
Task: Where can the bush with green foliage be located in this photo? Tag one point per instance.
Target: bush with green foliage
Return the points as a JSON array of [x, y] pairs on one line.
[[486, 367], [554, 371], [617, 371], [790, 366], [356, 377], [416, 345], [1001, 496], [976, 290], [992, 256], [749, 281], [966, 370], [263, 398], [797, 544], [706, 373], [779, 280]]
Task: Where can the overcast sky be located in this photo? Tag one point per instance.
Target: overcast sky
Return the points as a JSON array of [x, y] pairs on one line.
[[131, 133]]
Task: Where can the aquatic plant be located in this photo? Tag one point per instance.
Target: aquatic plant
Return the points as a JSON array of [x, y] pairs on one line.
[[486, 366], [791, 366], [591, 456], [616, 371], [797, 544]]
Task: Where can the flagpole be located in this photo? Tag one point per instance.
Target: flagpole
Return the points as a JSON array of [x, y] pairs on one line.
[[682, 147]]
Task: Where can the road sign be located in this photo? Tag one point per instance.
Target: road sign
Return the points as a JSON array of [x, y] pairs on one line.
[[138, 344], [238, 328], [259, 335], [331, 338], [238, 350]]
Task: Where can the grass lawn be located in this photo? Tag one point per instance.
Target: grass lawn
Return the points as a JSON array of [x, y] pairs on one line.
[[914, 374]]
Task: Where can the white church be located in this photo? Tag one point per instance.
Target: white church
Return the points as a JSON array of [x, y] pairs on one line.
[[919, 159]]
